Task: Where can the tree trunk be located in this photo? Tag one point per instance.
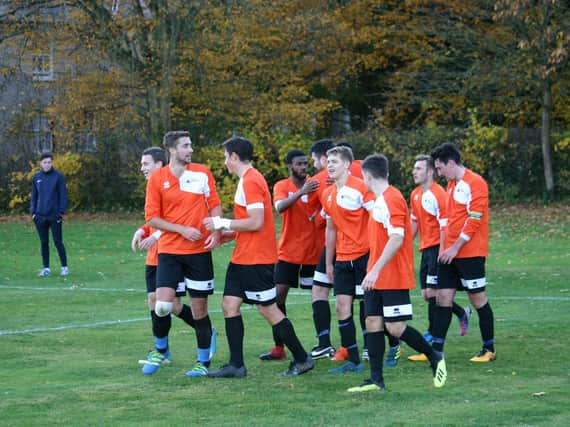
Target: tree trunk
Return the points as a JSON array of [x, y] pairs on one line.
[[545, 138]]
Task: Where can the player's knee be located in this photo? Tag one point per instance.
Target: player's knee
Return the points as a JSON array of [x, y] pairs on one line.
[[163, 308]]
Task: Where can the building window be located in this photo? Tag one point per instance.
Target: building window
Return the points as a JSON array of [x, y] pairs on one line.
[[42, 67], [42, 134]]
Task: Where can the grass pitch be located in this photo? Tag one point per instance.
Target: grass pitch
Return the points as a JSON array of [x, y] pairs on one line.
[[69, 346]]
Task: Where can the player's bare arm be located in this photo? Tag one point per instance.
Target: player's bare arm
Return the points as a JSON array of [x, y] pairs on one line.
[[394, 243], [254, 222], [308, 187], [214, 239], [190, 233], [330, 243]]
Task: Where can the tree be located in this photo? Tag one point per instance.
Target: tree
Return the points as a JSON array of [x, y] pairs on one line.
[[543, 28]]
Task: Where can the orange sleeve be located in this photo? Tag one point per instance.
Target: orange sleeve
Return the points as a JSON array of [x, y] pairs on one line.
[[152, 206], [280, 191], [213, 198], [478, 207]]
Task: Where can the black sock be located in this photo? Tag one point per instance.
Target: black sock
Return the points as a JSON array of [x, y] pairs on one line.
[[415, 340], [376, 349], [431, 314], [486, 326], [322, 321], [234, 333], [348, 339], [186, 315], [276, 338], [442, 319], [458, 310], [203, 332], [362, 318], [160, 325], [286, 332], [392, 341]]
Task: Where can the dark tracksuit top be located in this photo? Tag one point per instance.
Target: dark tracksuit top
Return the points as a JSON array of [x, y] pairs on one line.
[[49, 194]]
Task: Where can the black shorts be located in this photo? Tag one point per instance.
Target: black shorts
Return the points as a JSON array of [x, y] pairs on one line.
[[252, 283], [464, 274], [150, 275], [348, 276], [195, 270], [294, 275], [428, 267], [392, 305], [320, 278]]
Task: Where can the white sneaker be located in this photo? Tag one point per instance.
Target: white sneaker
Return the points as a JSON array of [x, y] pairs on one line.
[[44, 272], [64, 271]]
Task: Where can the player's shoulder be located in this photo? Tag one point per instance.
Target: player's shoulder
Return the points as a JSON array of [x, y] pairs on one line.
[[197, 167], [285, 182], [474, 179]]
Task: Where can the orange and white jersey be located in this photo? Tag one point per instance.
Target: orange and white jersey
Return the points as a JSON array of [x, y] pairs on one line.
[[300, 241], [390, 217], [152, 253], [429, 211], [254, 247], [186, 201], [347, 207], [468, 215]]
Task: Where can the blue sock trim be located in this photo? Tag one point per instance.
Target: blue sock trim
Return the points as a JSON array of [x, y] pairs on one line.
[[343, 324], [323, 333], [489, 342], [161, 343], [352, 346], [438, 340], [203, 355]]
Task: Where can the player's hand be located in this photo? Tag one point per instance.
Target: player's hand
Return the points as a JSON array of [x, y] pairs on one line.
[[227, 236], [191, 233], [213, 240], [136, 239], [209, 223], [149, 242], [369, 280], [309, 187], [447, 255]]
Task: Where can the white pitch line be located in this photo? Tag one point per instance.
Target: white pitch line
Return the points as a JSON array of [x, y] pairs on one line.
[[244, 308], [293, 293]]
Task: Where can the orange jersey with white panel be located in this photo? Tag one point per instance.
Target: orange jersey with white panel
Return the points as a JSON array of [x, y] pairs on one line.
[[348, 208], [300, 241], [185, 201], [390, 216], [254, 247], [152, 253], [429, 212], [468, 215], [320, 221]]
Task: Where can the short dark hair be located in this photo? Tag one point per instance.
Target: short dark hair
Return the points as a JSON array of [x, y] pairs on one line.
[[376, 165], [157, 154], [344, 144], [170, 138], [292, 154], [46, 155], [342, 151], [428, 159], [241, 146], [445, 152], [321, 147]]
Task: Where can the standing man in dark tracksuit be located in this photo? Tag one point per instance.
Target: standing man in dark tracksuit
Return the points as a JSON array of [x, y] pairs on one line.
[[49, 201]]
